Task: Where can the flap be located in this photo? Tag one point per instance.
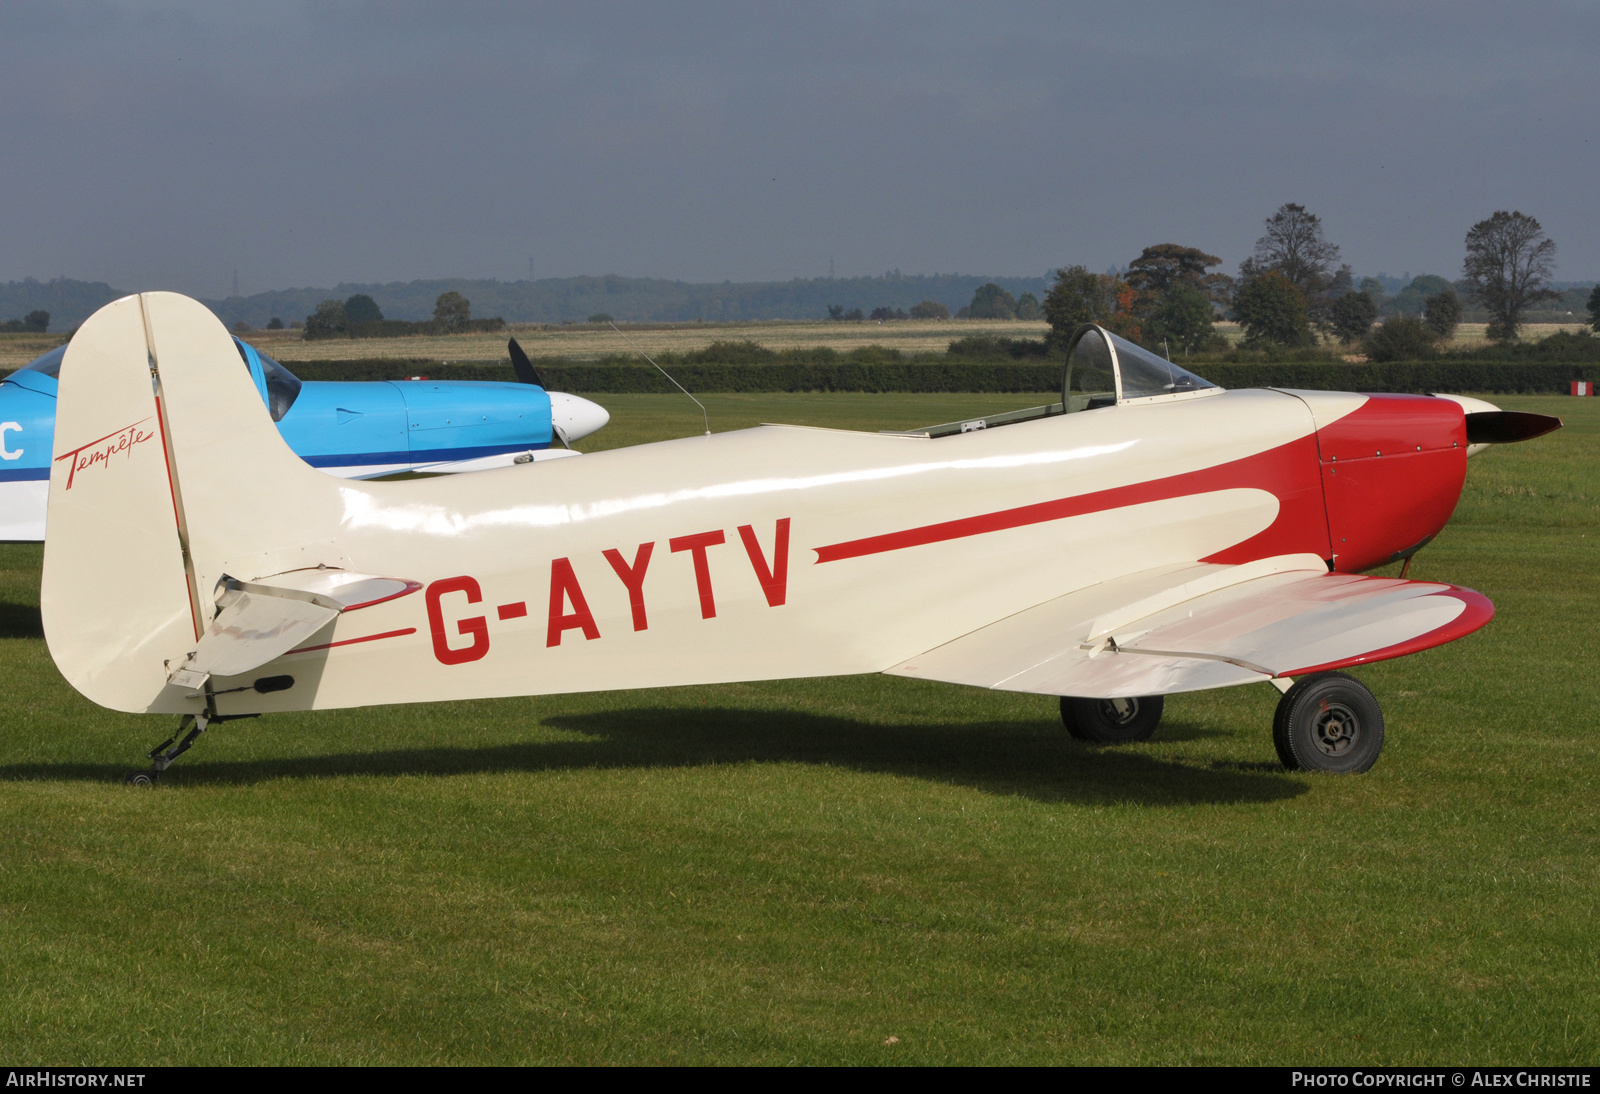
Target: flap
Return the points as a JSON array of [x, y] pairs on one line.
[[1187, 628]]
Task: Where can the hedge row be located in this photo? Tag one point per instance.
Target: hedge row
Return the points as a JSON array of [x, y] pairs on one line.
[[934, 375]]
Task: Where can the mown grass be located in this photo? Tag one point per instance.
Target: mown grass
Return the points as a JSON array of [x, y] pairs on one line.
[[800, 871]]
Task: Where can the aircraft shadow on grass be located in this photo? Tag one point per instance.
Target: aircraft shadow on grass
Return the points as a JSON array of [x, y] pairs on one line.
[[20, 621], [1029, 759]]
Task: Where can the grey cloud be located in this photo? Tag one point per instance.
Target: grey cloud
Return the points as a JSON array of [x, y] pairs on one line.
[[168, 143]]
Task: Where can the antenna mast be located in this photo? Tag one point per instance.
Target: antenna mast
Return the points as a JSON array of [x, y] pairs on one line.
[[706, 417]]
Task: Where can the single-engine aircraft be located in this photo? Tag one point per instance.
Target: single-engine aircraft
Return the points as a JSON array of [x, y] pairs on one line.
[[1149, 534], [349, 429]]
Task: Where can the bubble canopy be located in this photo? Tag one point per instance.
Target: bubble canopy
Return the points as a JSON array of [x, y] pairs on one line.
[[1104, 369]]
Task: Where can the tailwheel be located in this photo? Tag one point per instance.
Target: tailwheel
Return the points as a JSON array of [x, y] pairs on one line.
[[1112, 721], [1329, 722], [163, 754]]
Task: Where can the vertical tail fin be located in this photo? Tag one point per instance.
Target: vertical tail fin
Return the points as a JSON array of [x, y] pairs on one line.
[[143, 518]]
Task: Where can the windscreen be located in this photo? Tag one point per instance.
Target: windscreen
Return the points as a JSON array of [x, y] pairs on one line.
[[283, 386], [1144, 373], [1088, 382]]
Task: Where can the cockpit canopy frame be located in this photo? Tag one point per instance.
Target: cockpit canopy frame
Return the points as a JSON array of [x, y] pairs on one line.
[[1105, 369]]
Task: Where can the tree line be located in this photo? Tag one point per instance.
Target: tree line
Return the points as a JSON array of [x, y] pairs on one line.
[[35, 322], [1293, 290], [360, 317]]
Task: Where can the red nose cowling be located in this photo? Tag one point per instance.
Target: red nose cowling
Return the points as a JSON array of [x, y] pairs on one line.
[[1391, 476]]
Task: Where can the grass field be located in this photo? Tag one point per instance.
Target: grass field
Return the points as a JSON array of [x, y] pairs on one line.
[[856, 870]]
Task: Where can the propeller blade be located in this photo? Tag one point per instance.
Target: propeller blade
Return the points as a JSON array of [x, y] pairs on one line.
[[526, 373], [1508, 426]]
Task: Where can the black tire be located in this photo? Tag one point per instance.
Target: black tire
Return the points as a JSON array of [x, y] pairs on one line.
[[1279, 741], [1329, 722], [142, 778], [1112, 721]]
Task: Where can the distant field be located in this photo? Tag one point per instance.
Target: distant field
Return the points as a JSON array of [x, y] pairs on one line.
[[860, 870], [589, 342]]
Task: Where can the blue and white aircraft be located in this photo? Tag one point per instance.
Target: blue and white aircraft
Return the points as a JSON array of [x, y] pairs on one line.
[[355, 430]]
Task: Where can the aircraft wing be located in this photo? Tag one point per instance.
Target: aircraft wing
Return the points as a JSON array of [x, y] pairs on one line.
[[1187, 628], [261, 621]]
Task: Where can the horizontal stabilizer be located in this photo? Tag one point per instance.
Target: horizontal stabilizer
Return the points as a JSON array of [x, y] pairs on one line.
[[261, 621], [1186, 628]]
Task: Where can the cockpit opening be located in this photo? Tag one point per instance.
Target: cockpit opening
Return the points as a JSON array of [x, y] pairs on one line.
[[1102, 370]]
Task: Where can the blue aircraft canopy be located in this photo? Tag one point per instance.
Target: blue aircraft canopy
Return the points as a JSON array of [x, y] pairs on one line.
[[283, 386]]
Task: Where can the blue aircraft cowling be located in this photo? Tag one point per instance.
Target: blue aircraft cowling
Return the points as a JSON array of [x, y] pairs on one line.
[[346, 428]]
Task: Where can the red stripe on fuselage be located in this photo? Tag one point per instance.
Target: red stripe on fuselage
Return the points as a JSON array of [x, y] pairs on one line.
[[1288, 472], [353, 641]]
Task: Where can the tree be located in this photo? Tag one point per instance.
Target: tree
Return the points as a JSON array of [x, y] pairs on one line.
[[1182, 318], [886, 312], [930, 309], [1078, 297], [992, 302], [601, 317], [1507, 268], [1594, 308], [328, 321], [1160, 269], [1028, 307], [241, 327], [274, 323], [1271, 308], [835, 311], [1353, 315], [1441, 312], [38, 320], [1294, 247], [361, 308], [452, 311], [1400, 338]]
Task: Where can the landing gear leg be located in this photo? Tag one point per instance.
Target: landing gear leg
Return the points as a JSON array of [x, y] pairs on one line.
[[164, 753]]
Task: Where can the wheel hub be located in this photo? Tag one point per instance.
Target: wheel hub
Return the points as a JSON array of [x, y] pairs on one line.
[[1335, 729], [1119, 712]]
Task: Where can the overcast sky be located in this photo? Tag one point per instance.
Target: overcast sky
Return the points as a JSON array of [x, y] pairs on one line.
[[166, 144]]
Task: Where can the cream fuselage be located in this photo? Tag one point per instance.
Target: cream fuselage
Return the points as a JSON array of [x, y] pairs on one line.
[[520, 596]]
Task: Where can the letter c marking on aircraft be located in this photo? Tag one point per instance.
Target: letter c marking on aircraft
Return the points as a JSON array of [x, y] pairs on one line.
[[6, 453], [476, 627]]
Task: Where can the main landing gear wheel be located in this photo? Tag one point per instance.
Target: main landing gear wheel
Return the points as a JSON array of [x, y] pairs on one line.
[[1112, 721], [1328, 722]]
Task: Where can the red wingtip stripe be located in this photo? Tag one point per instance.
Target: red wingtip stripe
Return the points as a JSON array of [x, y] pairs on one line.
[[1479, 610]]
